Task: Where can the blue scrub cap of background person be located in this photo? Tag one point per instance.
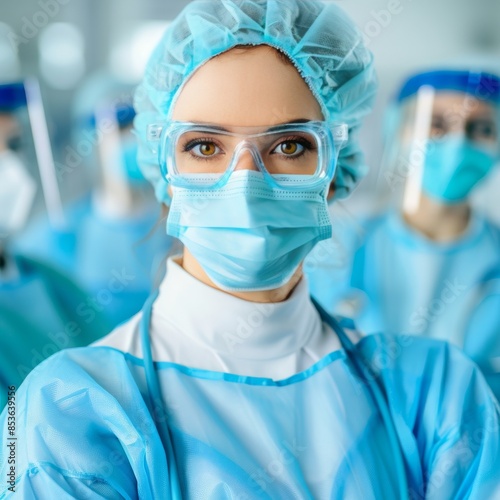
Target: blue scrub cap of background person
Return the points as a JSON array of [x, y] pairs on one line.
[[321, 41], [12, 96], [483, 86]]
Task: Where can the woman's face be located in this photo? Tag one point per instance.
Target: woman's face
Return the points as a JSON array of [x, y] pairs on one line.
[[247, 87]]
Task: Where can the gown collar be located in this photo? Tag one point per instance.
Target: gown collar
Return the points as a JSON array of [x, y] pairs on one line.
[[413, 238], [233, 326]]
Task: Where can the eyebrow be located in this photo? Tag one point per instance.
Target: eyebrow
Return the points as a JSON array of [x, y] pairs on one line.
[[299, 120], [270, 129]]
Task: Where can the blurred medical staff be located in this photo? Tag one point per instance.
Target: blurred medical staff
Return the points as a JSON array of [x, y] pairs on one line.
[[41, 310], [423, 267], [121, 237], [113, 245]]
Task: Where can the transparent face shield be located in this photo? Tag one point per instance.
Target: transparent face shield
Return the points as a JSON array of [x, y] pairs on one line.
[[28, 182], [122, 189], [447, 145], [291, 156]]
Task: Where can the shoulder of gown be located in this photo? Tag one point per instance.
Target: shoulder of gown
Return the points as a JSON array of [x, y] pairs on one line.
[[82, 426], [445, 415]]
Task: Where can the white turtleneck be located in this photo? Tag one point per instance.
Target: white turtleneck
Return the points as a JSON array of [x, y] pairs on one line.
[[199, 326]]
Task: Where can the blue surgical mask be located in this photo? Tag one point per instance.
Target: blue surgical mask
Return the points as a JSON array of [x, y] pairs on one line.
[[17, 193], [247, 235], [452, 168]]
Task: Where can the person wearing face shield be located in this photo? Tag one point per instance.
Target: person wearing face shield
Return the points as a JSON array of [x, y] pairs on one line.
[[112, 245], [118, 235], [232, 382], [41, 309], [422, 268]]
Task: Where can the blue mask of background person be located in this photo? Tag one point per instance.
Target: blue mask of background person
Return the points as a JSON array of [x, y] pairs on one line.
[[453, 167]]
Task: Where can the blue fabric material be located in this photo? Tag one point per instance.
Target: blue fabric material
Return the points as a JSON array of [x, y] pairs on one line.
[[406, 283], [481, 85], [248, 235], [453, 167], [328, 266], [88, 432], [485, 348], [40, 313], [57, 247], [114, 261], [321, 41], [12, 96], [117, 262], [129, 159]]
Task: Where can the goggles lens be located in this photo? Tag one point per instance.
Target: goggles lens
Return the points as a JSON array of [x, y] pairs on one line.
[[293, 154]]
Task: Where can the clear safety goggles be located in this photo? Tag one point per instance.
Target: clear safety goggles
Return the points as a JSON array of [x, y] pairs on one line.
[[202, 156]]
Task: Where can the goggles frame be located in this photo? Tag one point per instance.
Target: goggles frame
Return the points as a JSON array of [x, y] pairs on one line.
[[330, 138]]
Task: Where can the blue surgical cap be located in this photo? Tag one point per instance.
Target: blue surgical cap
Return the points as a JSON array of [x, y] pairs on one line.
[[12, 96], [483, 86], [319, 38]]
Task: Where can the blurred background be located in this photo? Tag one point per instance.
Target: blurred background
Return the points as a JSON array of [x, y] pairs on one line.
[[67, 42]]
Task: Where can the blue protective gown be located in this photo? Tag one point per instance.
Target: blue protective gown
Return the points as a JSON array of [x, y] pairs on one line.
[[482, 340], [114, 261], [401, 282], [117, 261], [134, 431], [41, 312]]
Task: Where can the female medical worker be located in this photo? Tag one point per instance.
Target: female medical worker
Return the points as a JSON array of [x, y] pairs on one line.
[[231, 384], [423, 268]]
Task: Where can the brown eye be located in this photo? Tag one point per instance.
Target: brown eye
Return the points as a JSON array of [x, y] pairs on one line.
[[208, 149], [289, 148]]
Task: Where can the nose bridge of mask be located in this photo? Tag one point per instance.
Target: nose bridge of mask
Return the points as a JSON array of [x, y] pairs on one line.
[[246, 199]]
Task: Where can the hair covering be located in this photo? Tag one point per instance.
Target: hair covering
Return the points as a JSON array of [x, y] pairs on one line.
[[12, 96], [321, 41], [481, 85]]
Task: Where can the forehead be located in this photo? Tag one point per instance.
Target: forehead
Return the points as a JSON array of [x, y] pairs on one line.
[[452, 106], [7, 118], [459, 101], [246, 87]]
